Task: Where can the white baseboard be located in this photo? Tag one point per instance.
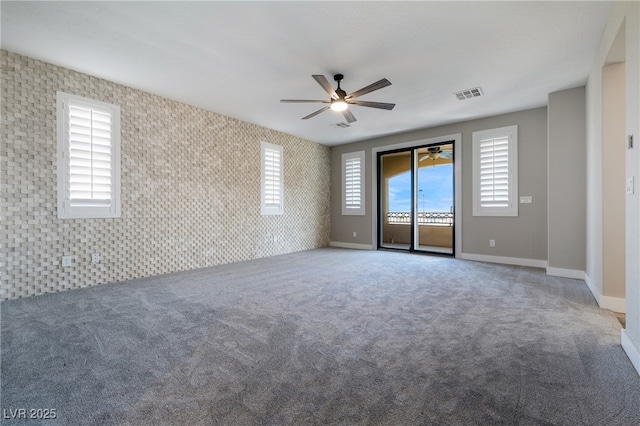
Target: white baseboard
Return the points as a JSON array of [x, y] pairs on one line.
[[565, 273], [631, 350], [534, 263], [592, 287], [351, 245], [615, 304]]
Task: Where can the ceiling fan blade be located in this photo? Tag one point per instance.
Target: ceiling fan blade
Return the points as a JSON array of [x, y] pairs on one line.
[[424, 157], [313, 114], [322, 81], [303, 100], [380, 105], [348, 116], [446, 154], [370, 88]]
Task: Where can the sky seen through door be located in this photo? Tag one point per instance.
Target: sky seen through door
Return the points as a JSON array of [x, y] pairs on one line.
[[435, 190]]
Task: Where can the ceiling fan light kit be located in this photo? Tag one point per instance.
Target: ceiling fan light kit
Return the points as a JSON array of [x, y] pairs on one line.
[[338, 105], [340, 101]]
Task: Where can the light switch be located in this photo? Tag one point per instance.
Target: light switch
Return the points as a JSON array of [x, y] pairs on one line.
[[528, 199], [630, 185]]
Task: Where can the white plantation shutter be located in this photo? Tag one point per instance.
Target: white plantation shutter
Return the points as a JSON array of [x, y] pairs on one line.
[[352, 178], [353, 183], [495, 172], [272, 190], [272, 179], [88, 158]]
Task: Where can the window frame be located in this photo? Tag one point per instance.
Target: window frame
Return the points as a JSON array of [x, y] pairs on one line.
[[270, 209], [511, 210], [66, 209], [347, 209]]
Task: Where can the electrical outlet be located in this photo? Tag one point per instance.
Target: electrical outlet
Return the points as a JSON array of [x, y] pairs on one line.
[[630, 185], [354, 233], [95, 258], [66, 261], [492, 243]]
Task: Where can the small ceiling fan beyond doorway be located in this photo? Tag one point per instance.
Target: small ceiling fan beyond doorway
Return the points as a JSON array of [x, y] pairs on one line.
[[340, 101], [436, 152]]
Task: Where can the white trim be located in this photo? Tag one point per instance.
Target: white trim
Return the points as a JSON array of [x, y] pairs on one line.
[[511, 134], [358, 211], [65, 209], [354, 246], [630, 349], [457, 167], [518, 261], [592, 288], [614, 304], [271, 209], [565, 273]]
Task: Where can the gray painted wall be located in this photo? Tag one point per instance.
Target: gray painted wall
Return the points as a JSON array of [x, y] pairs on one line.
[[567, 179], [523, 237]]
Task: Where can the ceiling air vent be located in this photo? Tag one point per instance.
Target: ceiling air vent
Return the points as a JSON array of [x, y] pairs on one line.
[[468, 93]]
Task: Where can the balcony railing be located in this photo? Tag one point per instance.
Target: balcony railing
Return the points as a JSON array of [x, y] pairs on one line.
[[424, 218]]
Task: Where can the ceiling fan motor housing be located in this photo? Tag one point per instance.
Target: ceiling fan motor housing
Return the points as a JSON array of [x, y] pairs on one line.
[[341, 93]]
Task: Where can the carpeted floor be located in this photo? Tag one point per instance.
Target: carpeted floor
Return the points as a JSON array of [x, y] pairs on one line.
[[328, 336]]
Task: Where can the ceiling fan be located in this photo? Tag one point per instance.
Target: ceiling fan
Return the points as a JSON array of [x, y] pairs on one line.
[[340, 101], [435, 152]]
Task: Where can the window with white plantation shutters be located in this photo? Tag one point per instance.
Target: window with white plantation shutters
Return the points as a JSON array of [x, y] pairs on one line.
[[88, 158], [495, 172], [272, 199], [353, 183]]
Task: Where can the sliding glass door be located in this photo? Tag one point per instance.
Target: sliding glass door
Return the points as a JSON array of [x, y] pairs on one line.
[[396, 188], [416, 199], [434, 204]]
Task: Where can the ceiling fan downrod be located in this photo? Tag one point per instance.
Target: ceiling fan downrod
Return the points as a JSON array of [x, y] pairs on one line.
[[339, 104], [341, 93]]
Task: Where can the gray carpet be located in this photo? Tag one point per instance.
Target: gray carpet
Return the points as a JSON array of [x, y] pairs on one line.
[[328, 336]]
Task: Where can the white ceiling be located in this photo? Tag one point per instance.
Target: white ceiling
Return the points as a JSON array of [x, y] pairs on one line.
[[240, 58]]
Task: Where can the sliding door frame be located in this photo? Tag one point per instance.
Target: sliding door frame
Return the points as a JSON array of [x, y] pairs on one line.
[[378, 199], [456, 139]]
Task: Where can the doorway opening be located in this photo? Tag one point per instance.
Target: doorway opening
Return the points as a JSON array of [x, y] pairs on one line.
[[416, 201], [614, 174]]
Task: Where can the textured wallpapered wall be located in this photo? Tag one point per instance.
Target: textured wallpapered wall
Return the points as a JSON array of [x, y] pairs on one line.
[[190, 188]]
